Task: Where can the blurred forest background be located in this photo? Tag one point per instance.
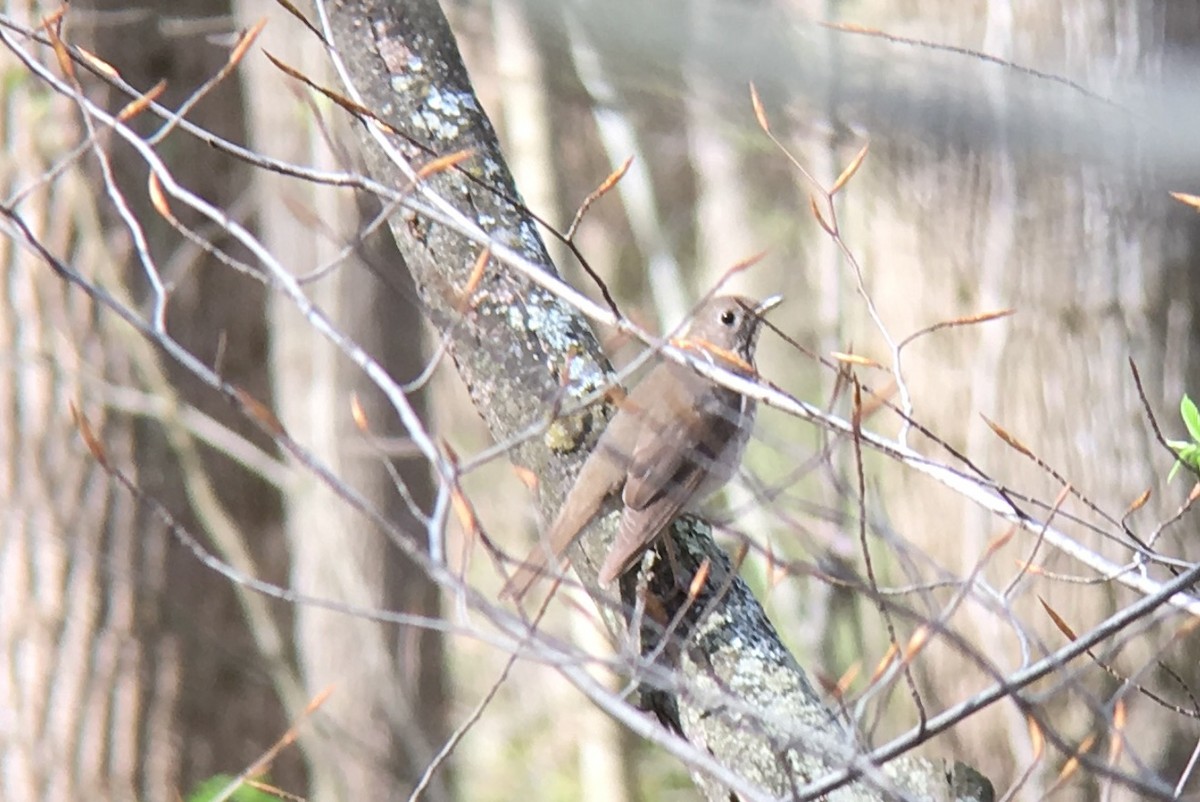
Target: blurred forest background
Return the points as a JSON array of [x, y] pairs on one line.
[[130, 670]]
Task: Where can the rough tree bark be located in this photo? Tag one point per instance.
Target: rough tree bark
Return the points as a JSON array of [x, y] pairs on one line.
[[740, 694]]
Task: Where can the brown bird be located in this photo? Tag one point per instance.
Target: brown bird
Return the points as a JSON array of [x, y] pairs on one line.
[[676, 438]]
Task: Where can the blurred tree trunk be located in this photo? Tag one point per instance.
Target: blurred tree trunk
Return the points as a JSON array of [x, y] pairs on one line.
[[386, 717], [90, 674], [1087, 247], [134, 673]]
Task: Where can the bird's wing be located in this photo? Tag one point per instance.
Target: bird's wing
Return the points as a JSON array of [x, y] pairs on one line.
[[639, 527], [664, 477], [676, 446], [599, 479]]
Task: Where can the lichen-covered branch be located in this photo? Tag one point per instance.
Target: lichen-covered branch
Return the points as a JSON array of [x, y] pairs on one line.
[[734, 689]]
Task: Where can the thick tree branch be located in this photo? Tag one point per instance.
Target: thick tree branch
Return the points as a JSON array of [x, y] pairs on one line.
[[735, 690]]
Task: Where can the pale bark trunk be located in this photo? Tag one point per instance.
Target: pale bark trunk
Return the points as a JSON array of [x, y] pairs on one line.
[[1083, 241], [133, 672], [89, 681]]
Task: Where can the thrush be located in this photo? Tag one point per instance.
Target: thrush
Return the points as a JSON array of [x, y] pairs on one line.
[[676, 438]]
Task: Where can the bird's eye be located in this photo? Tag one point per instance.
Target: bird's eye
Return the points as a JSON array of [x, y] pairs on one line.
[[728, 317]]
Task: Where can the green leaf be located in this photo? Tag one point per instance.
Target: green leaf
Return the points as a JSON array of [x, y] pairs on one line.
[[208, 790], [1187, 454], [1191, 417]]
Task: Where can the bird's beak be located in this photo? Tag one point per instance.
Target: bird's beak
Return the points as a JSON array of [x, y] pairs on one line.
[[767, 304]]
